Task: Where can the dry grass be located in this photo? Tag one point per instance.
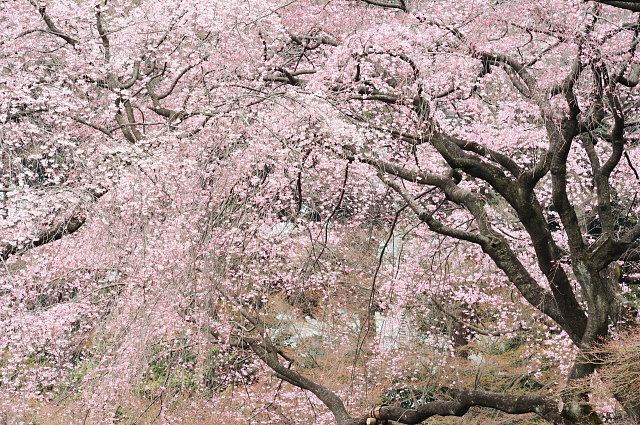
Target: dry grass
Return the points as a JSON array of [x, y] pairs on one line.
[[619, 362]]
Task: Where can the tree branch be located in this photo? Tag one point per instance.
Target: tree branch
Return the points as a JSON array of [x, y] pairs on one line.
[[92, 125], [268, 353], [426, 217], [631, 5], [318, 40], [603, 189], [522, 80], [463, 400], [397, 4], [56, 231], [103, 34], [44, 237], [523, 325], [42, 9]]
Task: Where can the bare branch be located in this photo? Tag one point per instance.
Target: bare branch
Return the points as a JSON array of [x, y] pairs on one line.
[[462, 401], [522, 80], [92, 125], [397, 4], [428, 218], [103, 34], [318, 41], [631, 5], [44, 237], [56, 231], [42, 9], [268, 353], [523, 325]]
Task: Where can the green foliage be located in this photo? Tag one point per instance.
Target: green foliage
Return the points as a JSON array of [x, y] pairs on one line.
[[122, 415], [221, 369], [76, 376], [172, 369], [180, 370]]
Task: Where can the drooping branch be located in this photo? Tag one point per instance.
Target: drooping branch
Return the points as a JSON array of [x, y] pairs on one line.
[[521, 326], [115, 82], [402, 56], [459, 403], [560, 304], [289, 77], [269, 354], [176, 79], [367, 93], [16, 116], [151, 87], [396, 170], [447, 184], [504, 160], [634, 70], [466, 145], [100, 128], [450, 150]]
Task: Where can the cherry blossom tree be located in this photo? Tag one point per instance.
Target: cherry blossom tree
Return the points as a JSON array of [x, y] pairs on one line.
[[172, 171]]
